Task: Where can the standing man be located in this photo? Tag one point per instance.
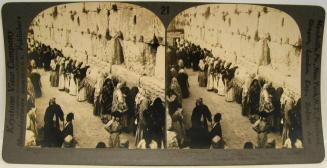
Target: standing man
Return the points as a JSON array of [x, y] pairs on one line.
[[182, 78], [199, 132], [52, 131], [201, 115]]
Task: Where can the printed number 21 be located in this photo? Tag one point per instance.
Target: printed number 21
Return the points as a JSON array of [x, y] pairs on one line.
[[164, 10]]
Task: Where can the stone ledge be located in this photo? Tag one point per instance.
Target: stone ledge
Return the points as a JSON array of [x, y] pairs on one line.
[[154, 86]]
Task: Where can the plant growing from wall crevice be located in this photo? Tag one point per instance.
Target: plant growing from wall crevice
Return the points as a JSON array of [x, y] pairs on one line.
[[98, 10], [55, 12]]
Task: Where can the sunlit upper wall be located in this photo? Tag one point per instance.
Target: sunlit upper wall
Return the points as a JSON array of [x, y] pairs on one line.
[[237, 33], [83, 31]]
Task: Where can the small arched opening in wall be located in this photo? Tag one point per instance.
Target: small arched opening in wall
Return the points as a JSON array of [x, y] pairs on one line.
[[258, 39]]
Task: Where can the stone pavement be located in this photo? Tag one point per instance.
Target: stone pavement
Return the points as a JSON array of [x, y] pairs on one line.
[[236, 128], [88, 129]]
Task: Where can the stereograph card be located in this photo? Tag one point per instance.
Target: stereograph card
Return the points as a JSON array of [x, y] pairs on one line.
[[162, 83]]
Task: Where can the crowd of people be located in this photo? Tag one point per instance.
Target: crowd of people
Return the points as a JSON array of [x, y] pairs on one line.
[[122, 109], [264, 105]]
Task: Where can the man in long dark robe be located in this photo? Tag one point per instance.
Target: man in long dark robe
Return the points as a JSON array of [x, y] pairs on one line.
[[253, 100], [106, 96], [36, 81], [182, 79], [158, 121], [196, 59], [296, 123], [47, 58], [201, 115], [199, 131], [52, 133], [277, 114]]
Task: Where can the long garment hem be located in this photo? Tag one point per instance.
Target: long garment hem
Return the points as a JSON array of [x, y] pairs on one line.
[[81, 91], [202, 79], [67, 80], [262, 140], [54, 79], [221, 87], [98, 107], [210, 82], [72, 86], [215, 82], [230, 93], [61, 82]]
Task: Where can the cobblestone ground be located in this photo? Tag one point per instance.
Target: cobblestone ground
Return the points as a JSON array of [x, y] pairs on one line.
[[88, 129], [236, 128]]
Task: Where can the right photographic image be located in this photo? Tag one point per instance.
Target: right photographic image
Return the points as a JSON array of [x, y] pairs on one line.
[[233, 78]]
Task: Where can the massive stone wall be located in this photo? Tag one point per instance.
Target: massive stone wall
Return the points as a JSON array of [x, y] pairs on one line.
[[237, 33], [85, 31]]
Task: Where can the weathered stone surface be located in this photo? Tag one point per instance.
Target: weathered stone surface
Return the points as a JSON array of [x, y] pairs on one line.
[[82, 31], [154, 87], [236, 33]]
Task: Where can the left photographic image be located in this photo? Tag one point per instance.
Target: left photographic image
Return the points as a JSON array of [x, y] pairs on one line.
[[95, 77]]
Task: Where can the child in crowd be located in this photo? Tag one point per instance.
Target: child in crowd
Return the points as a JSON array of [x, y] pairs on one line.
[[114, 128], [68, 132]]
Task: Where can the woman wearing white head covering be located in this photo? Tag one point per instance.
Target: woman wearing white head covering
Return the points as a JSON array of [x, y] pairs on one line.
[[175, 87], [119, 104], [142, 104], [289, 104], [265, 104], [262, 128], [245, 90]]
